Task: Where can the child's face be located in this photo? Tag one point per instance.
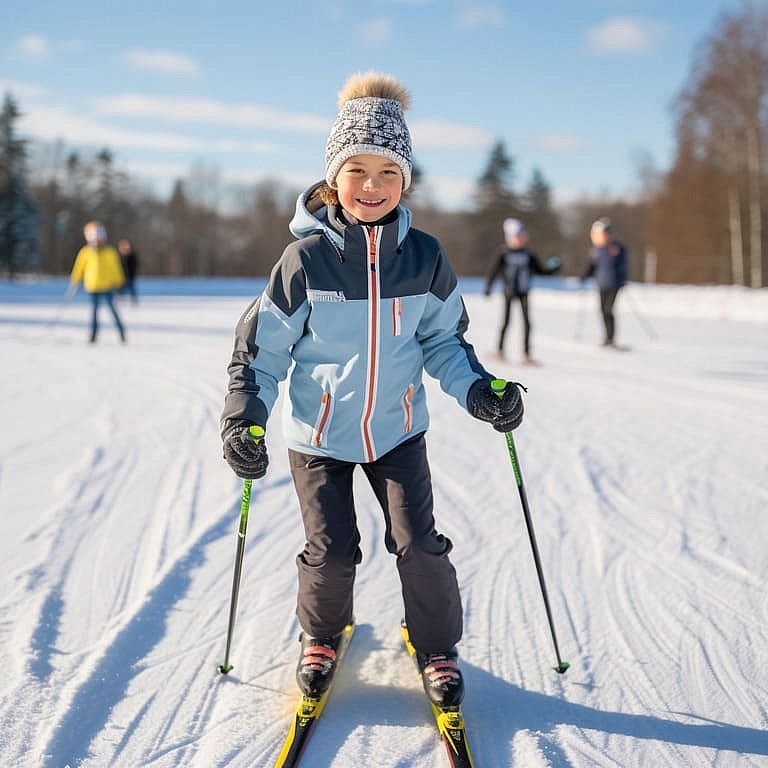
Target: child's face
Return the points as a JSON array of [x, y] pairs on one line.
[[517, 241], [94, 234], [369, 186], [600, 238]]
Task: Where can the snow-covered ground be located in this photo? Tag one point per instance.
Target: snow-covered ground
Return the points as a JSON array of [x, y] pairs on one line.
[[647, 477]]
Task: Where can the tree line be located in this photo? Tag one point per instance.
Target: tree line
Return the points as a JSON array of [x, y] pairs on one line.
[[700, 221]]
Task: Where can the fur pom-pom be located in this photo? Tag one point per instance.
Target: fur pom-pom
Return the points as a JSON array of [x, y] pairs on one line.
[[374, 84]]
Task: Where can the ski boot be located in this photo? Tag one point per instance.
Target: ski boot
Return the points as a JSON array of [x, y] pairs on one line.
[[317, 663], [441, 677]]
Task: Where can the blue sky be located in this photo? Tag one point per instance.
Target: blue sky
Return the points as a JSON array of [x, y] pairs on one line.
[[580, 89]]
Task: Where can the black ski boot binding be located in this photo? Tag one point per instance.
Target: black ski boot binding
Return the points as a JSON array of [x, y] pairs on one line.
[[441, 677], [317, 663]]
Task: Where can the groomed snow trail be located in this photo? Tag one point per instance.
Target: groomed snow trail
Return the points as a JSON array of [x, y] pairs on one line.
[[647, 477]]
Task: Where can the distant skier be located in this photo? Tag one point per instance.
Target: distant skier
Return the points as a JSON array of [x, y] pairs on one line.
[[609, 264], [354, 313], [515, 263], [97, 266]]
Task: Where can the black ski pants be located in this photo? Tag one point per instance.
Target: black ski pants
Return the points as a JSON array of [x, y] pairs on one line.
[[607, 300], [508, 298], [402, 484]]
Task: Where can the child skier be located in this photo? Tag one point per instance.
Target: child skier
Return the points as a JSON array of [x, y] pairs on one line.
[[357, 308], [609, 264], [515, 263], [98, 267]]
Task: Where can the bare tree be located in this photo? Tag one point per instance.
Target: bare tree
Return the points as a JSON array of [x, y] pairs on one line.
[[722, 113]]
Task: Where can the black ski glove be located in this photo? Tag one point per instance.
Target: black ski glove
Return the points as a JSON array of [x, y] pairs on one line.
[[505, 413], [245, 452]]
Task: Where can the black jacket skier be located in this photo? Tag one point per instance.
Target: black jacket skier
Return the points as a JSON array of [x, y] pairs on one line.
[[515, 264]]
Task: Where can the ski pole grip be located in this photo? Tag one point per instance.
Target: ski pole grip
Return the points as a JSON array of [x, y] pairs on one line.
[[256, 432], [498, 386]]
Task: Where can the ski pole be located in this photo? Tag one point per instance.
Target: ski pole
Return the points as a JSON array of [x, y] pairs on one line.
[[580, 312], [68, 296], [498, 386], [647, 327], [257, 433]]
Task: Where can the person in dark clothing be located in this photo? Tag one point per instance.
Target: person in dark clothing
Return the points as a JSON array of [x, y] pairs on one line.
[[130, 261], [515, 264], [609, 264]]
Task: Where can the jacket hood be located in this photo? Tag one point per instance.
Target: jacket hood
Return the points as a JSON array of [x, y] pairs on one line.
[[311, 216]]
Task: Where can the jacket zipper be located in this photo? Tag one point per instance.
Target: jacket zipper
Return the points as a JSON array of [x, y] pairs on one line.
[[407, 400], [397, 313], [374, 234], [322, 420]]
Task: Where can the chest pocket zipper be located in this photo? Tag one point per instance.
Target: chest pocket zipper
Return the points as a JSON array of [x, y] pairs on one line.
[[397, 313]]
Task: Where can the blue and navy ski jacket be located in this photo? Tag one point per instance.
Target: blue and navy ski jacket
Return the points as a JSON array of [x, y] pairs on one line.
[[610, 266], [352, 316]]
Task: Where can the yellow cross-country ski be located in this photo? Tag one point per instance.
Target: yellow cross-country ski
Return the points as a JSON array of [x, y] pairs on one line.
[[307, 713], [449, 720]]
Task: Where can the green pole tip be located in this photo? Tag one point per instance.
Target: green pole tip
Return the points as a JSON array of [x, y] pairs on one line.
[[256, 432], [562, 667], [498, 385], [225, 668]]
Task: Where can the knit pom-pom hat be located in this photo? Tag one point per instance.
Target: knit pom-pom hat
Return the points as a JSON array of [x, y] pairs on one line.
[[370, 122]]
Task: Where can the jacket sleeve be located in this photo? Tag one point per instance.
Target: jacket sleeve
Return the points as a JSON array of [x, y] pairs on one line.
[[264, 337], [590, 270], [117, 273], [78, 269], [448, 357], [536, 266], [495, 269], [622, 267]]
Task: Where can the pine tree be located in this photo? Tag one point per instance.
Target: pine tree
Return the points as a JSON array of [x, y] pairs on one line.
[[541, 219], [18, 214], [495, 200]]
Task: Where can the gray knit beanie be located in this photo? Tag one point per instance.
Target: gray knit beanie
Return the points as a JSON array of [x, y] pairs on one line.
[[370, 122]]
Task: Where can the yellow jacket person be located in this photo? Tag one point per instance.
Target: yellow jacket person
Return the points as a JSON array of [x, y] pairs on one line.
[[97, 266]]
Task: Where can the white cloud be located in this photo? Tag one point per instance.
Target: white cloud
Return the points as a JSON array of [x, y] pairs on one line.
[[622, 34], [21, 90], [52, 124], [379, 30], [33, 46], [164, 173], [436, 133], [449, 192], [481, 16], [210, 111], [558, 143], [165, 62]]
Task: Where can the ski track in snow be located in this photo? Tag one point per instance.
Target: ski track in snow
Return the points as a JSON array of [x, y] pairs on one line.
[[647, 479]]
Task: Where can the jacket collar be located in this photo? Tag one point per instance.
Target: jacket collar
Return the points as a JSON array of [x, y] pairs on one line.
[[310, 218]]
